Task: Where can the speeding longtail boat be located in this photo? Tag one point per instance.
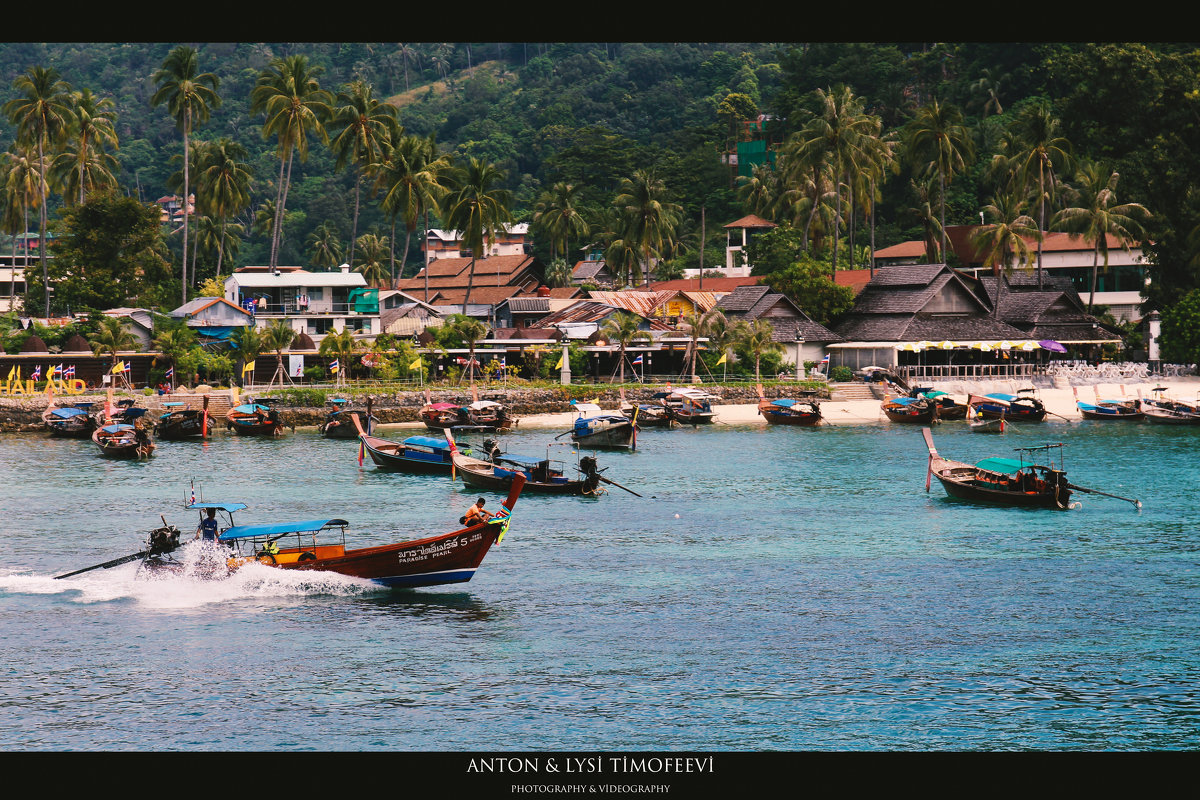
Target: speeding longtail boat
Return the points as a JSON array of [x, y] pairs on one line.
[[320, 545], [1019, 482]]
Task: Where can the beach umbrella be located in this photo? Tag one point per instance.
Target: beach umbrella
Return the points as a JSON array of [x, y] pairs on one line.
[[947, 345], [1052, 346], [1034, 346]]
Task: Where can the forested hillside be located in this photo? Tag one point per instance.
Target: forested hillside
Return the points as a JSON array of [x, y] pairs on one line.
[[579, 139]]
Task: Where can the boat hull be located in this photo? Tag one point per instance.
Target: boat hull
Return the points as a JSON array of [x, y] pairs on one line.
[[341, 426], [181, 426], [403, 457], [615, 437], [961, 487], [1117, 413], [778, 415], [896, 412]]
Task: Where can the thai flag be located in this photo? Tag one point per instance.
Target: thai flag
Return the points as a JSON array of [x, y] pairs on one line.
[[825, 360], [58, 370], [69, 372], [37, 373], [170, 372], [637, 362], [333, 366]]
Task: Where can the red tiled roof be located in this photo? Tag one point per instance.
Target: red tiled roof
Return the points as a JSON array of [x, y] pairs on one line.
[[693, 284], [752, 221]]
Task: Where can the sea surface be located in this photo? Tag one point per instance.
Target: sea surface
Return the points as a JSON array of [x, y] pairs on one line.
[[773, 588]]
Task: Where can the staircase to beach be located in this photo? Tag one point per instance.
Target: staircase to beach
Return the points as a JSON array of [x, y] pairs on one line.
[[842, 392], [219, 403]]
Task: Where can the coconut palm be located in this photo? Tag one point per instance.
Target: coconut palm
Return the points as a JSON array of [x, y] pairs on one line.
[[624, 262], [1042, 149], [374, 250], [278, 336], [758, 339], [724, 333], [477, 208], [470, 330], [84, 165], [622, 328], [324, 247], [1099, 216], [696, 325], [341, 345], [248, 341], [42, 115], [23, 191], [557, 214], [926, 216], [190, 96], [558, 273], [289, 93], [411, 176], [223, 185], [174, 342], [937, 136], [363, 129], [1004, 239], [648, 219], [111, 338]]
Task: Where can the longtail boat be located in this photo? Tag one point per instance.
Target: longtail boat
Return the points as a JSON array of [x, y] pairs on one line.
[[1021, 406], [320, 545], [910, 409], [1162, 410], [948, 406], [545, 476], [440, 416], [422, 454], [339, 422], [255, 419], [595, 429], [690, 406], [1019, 482], [74, 421], [181, 422], [488, 415], [649, 415], [121, 440], [786, 411]]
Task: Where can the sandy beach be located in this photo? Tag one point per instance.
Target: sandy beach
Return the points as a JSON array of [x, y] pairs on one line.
[[1059, 402]]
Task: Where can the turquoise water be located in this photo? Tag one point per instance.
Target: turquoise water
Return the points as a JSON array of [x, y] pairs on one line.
[[773, 589]]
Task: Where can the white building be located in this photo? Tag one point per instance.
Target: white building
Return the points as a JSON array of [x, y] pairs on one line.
[[315, 303]]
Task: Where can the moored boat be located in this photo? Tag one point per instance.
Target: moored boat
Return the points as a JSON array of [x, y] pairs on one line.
[[690, 406], [121, 440], [1163, 410], [787, 411], [440, 416], [180, 422], [488, 415], [910, 409], [339, 422], [649, 415], [1021, 406], [1109, 410], [423, 454], [255, 419], [948, 406], [593, 428], [546, 476], [75, 421]]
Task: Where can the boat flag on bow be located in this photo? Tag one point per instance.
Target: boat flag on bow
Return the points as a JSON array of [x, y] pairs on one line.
[[502, 518]]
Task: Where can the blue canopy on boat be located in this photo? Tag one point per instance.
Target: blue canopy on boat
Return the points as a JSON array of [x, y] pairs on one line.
[[171, 405], [786, 402], [121, 428], [906, 401], [67, 413], [133, 413], [1008, 466], [428, 441], [251, 408], [1007, 398], [337, 401], [229, 507], [278, 529]]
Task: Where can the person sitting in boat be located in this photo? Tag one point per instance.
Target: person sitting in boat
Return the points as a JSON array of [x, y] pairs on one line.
[[208, 527], [476, 514]]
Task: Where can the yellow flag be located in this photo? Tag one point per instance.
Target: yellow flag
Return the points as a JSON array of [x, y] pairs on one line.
[[722, 360], [416, 364], [11, 371], [119, 368], [248, 368], [559, 364]]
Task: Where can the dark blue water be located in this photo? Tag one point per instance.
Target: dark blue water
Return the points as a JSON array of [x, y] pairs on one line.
[[774, 589]]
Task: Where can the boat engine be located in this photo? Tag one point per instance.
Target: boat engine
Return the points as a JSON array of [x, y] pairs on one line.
[[491, 450], [163, 540], [591, 474]]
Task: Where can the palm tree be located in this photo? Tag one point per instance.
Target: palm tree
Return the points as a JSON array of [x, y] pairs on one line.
[[374, 250], [1099, 216], [926, 217], [623, 261], [558, 273], [290, 95], [477, 208], [758, 338], [470, 330], [23, 190], [341, 345], [324, 247], [407, 54], [411, 176], [696, 325], [278, 336], [224, 182], [190, 96], [1006, 238], [174, 342], [85, 165], [937, 136], [364, 129], [557, 214], [622, 328], [649, 219], [42, 115], [248, 341], [111, 338], [1042, 148], [724, 333]]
